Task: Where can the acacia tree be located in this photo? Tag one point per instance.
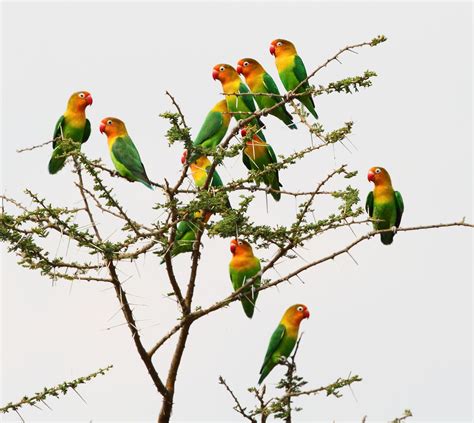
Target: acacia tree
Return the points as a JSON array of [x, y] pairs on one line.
[[24, 228]]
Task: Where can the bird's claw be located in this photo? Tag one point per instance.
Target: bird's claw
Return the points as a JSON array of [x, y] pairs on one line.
[[394, 229]]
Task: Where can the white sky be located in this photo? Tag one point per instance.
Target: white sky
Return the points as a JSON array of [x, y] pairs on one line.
[[401, 319]]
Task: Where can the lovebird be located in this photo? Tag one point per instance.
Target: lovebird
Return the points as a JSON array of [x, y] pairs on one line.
[[284, 338], [384, 204], [260, 82], [292, 71], [214, 127], [257, 155], [241, 106], [123, 152], [186, 232], [199, 167], [73, 125], [243, 266]]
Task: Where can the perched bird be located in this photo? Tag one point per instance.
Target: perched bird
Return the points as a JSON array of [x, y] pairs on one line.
[[260, 82], [186, 233], [123, 152], [257, 155], [244, 266], [283, 339], [214, 127], [292, 71], [72, 125], [199, 167], [383, 204], [241, 106]]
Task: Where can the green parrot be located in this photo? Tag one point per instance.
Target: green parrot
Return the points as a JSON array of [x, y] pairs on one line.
[[258, 154], [243, 266], [214, 127], [383, 204], [283, 339], [186, 232], [123, 152], [260, 82], [292, 71], [242, 106], [72, 125]]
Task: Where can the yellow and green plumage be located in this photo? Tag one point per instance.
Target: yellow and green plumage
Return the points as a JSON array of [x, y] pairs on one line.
[[384, 204], [257, 155], [292, 71], [283, 339], [214, 127], [72, 129], [244, 266], [240, 106], [123, 152], [261, 82]]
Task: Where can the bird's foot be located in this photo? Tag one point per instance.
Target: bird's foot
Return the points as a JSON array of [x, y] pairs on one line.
[[394, 229]]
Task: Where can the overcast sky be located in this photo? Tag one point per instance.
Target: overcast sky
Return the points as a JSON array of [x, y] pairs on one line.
[[401, 318]]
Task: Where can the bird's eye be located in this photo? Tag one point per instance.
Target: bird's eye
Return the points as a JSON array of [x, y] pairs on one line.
[[377, 170], [222, 68], [109, 122], [246, 63], [82, 95], [279, 44], [300, 308], [240, 242]]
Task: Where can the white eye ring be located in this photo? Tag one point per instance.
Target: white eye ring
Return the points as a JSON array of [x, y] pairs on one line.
[[377, 171], [300, 308], [279, 44], [109, 122], [240, 242], [246, 63], [222, 68], [82, 95]]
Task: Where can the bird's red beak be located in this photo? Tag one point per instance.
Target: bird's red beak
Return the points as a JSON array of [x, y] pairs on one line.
[[233, 246], [215, 74], [102, 127], [89, 100], [239, 70], [306, 314], [243, 132], [184, 156], [371, 176], [272, 49]]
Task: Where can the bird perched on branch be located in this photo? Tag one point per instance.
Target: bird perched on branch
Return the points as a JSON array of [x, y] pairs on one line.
[[243, 267], [383, 204], [240, 106], [257, 155], [123, 152], [71, 126], [292, 71], [260, 82], [283, 339], [214, 127], [186, 233]]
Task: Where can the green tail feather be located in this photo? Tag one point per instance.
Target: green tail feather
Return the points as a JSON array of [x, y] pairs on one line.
[[265, 370], [57, 161], [308, 103], [387, 237]]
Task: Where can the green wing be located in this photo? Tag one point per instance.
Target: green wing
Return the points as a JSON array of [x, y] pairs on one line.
[[275, 342], [270, 85], [87, 132], [299, 69], [127, 154], [271, 153], [246, 160], [247, 99], [212, 124], [369, 203], [400, 208], [58, 130], [216, 179]]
